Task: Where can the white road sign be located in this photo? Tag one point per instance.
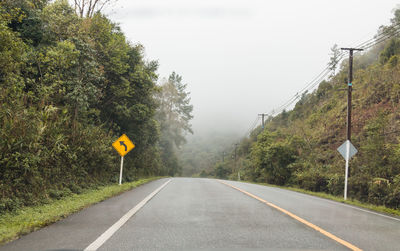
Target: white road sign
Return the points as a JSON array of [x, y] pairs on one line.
[[342, 150]]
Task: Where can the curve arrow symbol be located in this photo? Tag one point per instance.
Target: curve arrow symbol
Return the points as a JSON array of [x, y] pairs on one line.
[[123, 144]]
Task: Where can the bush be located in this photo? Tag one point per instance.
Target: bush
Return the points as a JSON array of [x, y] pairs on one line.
[[75, 188], [335, 184], [359, 186], [378, 191], [313, 180], [8, 204], [58, 194], [221, 171], [203, 174], [393, 199]]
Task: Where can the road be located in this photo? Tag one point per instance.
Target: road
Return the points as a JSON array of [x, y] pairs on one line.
[[207, 214]]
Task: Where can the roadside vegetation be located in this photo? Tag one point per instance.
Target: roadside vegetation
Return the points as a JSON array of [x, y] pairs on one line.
[[70, 84], [297, 148]]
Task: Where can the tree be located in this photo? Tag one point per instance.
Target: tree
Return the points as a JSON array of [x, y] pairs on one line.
[[69, 86], [175, 111], [174, 115], [221, 171], [334, 60], [272, 156]]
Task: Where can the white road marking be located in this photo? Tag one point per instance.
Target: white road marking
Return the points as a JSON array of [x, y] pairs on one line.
[[357, 208], [117, 225]]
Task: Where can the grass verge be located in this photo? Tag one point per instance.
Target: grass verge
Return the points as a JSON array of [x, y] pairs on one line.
[[29, 219], [380, 209]]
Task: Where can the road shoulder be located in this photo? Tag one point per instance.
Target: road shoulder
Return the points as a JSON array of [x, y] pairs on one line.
[[80, 209]]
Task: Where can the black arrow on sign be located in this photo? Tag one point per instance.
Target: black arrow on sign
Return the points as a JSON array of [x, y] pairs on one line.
[[123, 144]]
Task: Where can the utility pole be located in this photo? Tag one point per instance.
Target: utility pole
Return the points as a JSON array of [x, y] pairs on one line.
[[223, 157], [349, 91], [235, 151], [235, 160], [262, 116], [348, 134]]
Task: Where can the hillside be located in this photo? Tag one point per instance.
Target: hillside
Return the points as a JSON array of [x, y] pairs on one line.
[[298, 147]]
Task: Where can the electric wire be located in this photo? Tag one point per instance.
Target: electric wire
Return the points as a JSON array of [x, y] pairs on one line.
[[378, 41], [385, 35], [251, 127], [388, 33], [327, 70], [312, 84]]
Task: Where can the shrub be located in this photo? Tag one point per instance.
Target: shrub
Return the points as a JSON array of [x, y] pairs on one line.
[[359, 186], [335, 184], [313, 180], [378, 190]]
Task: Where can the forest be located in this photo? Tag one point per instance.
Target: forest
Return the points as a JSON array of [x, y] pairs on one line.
[[71, 84], [297, 147]]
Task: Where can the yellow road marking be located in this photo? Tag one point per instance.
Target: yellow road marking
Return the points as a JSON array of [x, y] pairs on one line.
[[307, 223]]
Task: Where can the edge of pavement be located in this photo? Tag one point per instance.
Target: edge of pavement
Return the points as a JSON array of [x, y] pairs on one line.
[[350, 202], [23, 221]]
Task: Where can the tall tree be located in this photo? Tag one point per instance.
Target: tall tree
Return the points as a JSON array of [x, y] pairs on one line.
[[175, 110], [174, 115], [334, 60]]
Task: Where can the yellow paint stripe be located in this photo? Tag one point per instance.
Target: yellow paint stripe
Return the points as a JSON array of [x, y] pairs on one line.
[[307, 223]]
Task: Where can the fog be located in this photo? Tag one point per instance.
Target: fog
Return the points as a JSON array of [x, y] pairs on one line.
[[240, 58]]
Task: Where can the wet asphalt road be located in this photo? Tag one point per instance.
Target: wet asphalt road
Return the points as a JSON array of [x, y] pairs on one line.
[[204, 214]]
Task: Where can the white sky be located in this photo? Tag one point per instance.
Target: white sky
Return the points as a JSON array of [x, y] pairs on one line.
[[241, 58]]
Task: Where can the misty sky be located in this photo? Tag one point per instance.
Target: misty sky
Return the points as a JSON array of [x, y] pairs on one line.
[[241, 58]]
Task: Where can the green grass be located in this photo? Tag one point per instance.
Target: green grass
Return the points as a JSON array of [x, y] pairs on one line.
[[29, 219], [380, 209]]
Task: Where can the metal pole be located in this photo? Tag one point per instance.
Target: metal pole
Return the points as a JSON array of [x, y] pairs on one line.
[[235, 161], [263, 121], [120, 172], [235, 151], [347, 168], [349, 93]]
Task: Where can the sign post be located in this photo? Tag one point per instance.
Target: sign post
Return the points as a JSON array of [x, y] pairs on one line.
[[120, 170], [347, 150], [122, 145]]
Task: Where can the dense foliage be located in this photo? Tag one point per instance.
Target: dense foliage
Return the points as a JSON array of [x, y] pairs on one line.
[[70, 85], [298, 147]]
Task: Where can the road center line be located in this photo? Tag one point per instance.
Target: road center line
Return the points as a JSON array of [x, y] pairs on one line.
[[117, 225], [307, 223]]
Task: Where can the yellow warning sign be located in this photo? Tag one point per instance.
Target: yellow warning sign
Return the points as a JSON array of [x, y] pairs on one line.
[[123, 145]]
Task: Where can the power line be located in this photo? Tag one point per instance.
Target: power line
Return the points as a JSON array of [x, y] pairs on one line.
[[313, 83], [321, 76], [385, 35], [316, 81], [251, 127], [262, 116], [382, 39]]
